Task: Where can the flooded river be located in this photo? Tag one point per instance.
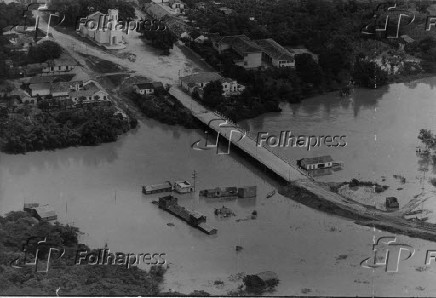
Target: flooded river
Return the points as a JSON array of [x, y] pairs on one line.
[[98, 189]]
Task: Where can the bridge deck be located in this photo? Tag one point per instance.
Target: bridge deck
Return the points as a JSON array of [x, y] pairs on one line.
[[288, 170]]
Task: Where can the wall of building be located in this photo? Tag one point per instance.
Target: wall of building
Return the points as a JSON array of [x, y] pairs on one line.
[[253, 60]]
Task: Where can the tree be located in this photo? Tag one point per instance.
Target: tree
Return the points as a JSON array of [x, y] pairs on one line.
[[47, 50], [368, 74], [308, 70], [213, 93], [426, 137]]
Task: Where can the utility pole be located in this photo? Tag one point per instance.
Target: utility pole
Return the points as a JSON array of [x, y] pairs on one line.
[[194, 176]]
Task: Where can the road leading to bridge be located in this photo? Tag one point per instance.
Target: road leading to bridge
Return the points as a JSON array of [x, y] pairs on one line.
[[288, 170]]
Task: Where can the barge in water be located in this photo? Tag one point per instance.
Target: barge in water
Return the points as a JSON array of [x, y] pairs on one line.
[[193, 218]]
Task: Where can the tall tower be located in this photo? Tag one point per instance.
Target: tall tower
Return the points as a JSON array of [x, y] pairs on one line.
[[113, 14]]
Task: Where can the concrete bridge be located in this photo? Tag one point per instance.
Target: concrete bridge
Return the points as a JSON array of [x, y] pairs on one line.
[[242, 139]]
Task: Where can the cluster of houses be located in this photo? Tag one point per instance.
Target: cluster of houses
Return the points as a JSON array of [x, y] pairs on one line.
[[255, 54], [197, 82]]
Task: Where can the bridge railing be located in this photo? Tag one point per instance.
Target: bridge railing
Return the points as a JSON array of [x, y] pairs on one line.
[[253, 138]]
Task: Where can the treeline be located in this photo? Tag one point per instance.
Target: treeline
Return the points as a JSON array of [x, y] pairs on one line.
[[164, 108], [163, 40], [63, 274], [47, 130], [74, 10]]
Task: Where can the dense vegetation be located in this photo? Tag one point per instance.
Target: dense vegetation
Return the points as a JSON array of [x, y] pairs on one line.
[[46, 50], [427, 138], [164, 107], [49, 130], [76, 280]]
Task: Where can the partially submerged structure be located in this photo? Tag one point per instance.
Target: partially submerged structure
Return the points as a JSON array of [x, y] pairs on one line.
[[193, 218], [232, 191], [392, 203], [42, 213], [157, 188], [314, 163]]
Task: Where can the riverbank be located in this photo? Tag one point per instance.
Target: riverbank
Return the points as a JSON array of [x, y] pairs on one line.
[[65, 276], [48, 130]]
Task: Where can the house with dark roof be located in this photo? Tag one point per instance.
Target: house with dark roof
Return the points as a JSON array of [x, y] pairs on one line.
[[274, 54], [314, 163], [155, 11], [249, 52], [144, 88], [64, 63]]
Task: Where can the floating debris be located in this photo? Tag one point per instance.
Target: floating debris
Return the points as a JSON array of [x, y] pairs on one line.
[[224, 212]]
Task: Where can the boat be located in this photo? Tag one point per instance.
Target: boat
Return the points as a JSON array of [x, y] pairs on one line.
[[270, 194]]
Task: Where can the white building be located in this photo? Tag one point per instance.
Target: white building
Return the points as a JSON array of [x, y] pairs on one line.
[[183, 187], [103, 29]]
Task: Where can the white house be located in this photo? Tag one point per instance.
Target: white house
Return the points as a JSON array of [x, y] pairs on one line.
[[103, 29], [144, 88], [317, 162], [176, 5], [183, 187], [63, 64], [90, 93]]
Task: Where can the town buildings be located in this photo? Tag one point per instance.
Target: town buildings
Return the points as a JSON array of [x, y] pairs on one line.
[[199, 80], [250, 54], [256, 54], [274, 54]]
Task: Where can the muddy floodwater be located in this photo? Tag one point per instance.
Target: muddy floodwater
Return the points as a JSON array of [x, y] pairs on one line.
[[98, 189]]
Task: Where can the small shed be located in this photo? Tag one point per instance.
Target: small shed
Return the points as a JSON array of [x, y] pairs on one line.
[[316, 162], [392, 203]]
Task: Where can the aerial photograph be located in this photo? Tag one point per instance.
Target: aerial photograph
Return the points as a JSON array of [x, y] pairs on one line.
[[218, 148]]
